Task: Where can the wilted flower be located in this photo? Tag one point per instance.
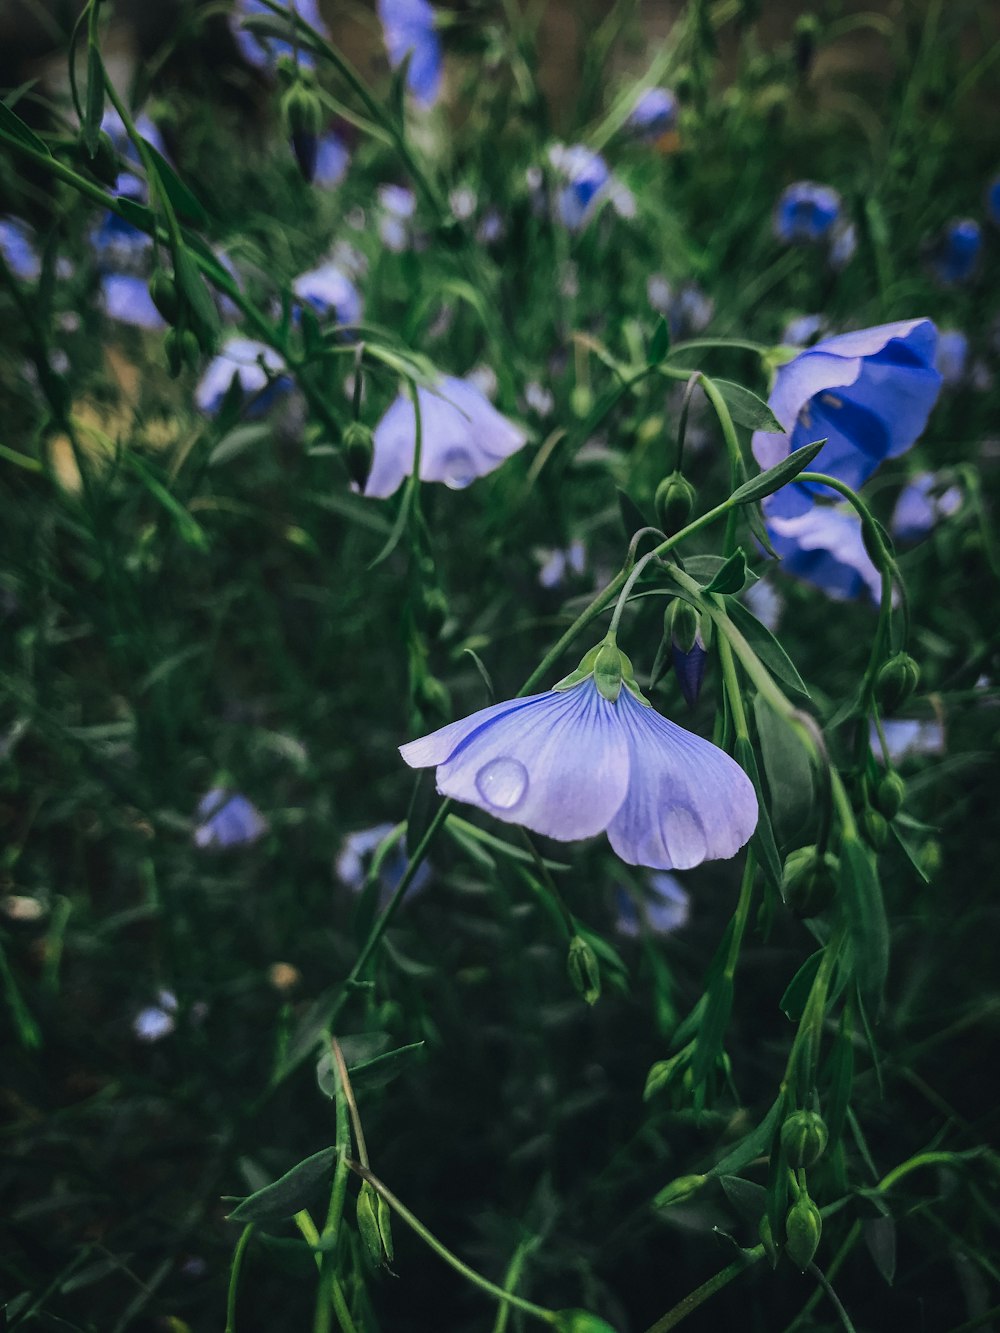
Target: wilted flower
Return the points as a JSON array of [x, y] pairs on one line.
[[653, 114], [227, 819], [869, 393], [952, 357], [330, 292], [665, 908], [355, 856], [571, 762], [806, 212], [18, 249], [256, 368], [408, 28], [126, 299], [921, 504], [263, 52], [953, 256], [463, 437]]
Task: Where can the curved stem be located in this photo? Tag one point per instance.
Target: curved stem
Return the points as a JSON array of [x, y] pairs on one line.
[[234, 1276], [701, 1294]]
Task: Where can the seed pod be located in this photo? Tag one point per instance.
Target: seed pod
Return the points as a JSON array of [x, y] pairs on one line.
[[888, 795], [809, 881], [876, 830], [679, 1191], [303, 114], [803, 1229]]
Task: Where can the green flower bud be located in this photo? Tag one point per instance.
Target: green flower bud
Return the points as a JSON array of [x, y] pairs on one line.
[[888, 795], [809, 881], [896, 681], [681, 624], [875, 829], [303, 115], [804, 1138], [581, 400], [679, 1191], [358, 449], [675, 497], [608, 672], [579, 1321], [374, 1226], [803, 1229], [584, 969], [182, 349], [163, 291]]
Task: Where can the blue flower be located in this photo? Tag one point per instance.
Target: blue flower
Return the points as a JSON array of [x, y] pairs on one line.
[[330, 292], [18, 249], [126, 299], [561, 565], [824, 546], [395, 223], [843, 245], [463, 436], [263, 52], [993, 200], [953, 256], [921, 504], [227, 819], [114, 127], [951, 359], [765, 602], [806, 213], [664, 909], [256, 368], [570, 763], [869, 393], [408, 28], [653, 113], [159, 1020], [118, 243], [332, 159], [803, 330], [586, 183], [905, 737], [355, 856]]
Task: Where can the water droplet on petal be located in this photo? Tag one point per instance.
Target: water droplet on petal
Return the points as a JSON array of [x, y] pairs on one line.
[[458, 469], [502, 783], [684, 837]]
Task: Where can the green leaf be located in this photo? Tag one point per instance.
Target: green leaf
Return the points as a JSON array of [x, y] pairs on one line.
[[183, 200], [755, 522], [748, 1198], [746, 408], [189, 530], [295, 1190], [285, 29], [763, 839], [756, 1144], [138, 214], [867, 924], [238, 441], [793, 1002], [704, 569], [786, 766], [732, 576], [880, 1238], [767, 648], [192, 287], [375, 1071], [93, 111], [766, 483], [659, 344], [13, 127], [710, 1041]]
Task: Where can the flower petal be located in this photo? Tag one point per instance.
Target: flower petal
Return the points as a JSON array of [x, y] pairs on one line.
[[687, 800], [438, 746], [824, 546]]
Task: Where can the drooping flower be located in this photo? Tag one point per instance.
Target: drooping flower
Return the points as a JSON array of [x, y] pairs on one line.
[[806, 212], [330, 292], [573, 761], [954, 255], [263, 52], [256, 368], [664, 909], [463, 437], [227, 819], [869, 393], [18, 249], [824, 546], [922, 503], [126, 298], [654, 113], [408, 28]]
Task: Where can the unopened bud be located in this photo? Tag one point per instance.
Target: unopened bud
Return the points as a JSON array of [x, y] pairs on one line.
[[675, 497], [358, 450], [687, 649], [809, 881], [888, 795], [163, 291], [804, 1138], [182, 349], [581, 400], [303, 114], [374, 1226], [896, 681], [679, 1191], [876, 830], [584, 969], [803, 1229]]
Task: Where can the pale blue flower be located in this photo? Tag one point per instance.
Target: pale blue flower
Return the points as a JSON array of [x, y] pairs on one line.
[[256, 368], [922, 503], [330, 292], [765, 602], [227, 819], [408, 28], [869, 393], [355, 855], [569, 764], [120, 245], [18, 247], [907, 737], [395, 229], [824, 546], [653, 113], [952, 357], [585, 183], [843, 245], [803, 330], [806, 212], [463, 437], [332, 161], [664, 909], [126, 298], [263, 52], [560, 565], [157, 1021], [114, 127]]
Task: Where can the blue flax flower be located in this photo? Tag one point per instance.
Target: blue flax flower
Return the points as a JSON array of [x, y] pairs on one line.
[[332, 161], [571, 762], [824, 546], [653, 113], [355, 856], [664, 909], [408, 28], [463, 437], [126, 298], [330, 292], [227, 819], [922, 503], [586, 183], [18, 249], [952, 358], [953, 256], [256, 368], [868, 393], [263, 52], [806, 213]]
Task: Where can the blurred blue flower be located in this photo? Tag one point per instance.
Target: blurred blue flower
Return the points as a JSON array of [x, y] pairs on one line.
[[257, 369], [157, 1021], [922, 503], [263, 52], [585, 184], [803, 330], [843, 245], [653, 113], [332, 161], [119, 244], [355, 857], [126, 298], [570, 763], [869, 393], [491, 228], [18, 247], [806, 212], [463, 437], [690, 312], [408, 28], [906, 737], [664, 909], [227, 819], [659, 293], [399, 204], [559, 565], [330, 292], [993, 201], [952, 357], [114, 127], [824, 547], [765, 602], [953, 256]]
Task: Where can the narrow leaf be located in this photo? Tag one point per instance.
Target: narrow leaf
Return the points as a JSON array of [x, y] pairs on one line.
[[786, 767], [793, 1002], [704, 568], [763, 839], [880, 1237], [295, 1190], [238, 441], [767, 648], [659, 344], [869, 929], [179, 194], [13, 127], [756, 1144], [748, 1198], [766, 483], [93, 111], [746, 408]]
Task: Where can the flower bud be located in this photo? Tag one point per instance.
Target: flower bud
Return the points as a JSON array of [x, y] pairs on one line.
[[358, 450], [687, 648], [303, 114], [876, 830], [581, 400], [374, 1226], [896, 680], [888, 795], [163, 291], [675, 497], [809, 881], [584, 969], [806, 31], [803, 1229], [804, 1138], [608, 672], [182, 349], [679, 1191]]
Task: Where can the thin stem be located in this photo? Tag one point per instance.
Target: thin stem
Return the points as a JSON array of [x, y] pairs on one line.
[[737, 468], [348, 1096], [701, 1294], [682, 422], [510, 1281], [234, 1276]]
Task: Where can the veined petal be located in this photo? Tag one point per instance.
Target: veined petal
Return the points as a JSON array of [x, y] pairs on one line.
[[438, 746], [558, 764], [687, 800], [811, 372], [824, 546]]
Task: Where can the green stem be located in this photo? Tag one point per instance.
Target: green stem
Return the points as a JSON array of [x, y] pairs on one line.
[[510, 1281], [701, 1294], [737, 468], [234, 1276]]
